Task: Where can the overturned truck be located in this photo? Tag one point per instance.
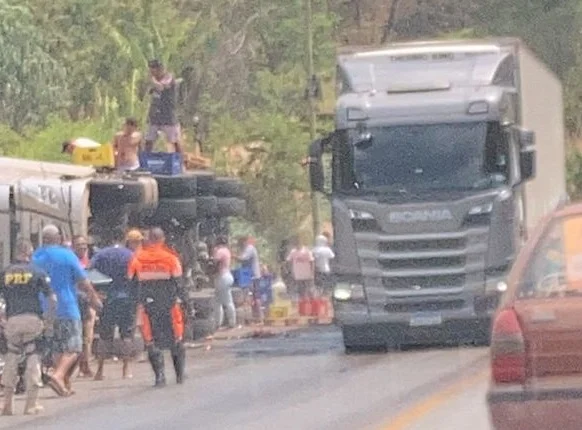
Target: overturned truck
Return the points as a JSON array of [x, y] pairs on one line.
[[190, 207]]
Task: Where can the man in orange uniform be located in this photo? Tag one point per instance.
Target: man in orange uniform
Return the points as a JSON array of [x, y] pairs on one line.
[[157, 270]]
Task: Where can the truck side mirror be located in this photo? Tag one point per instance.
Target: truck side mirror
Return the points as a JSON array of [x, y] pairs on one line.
[[526, 138], [316, 176], [527, 164]]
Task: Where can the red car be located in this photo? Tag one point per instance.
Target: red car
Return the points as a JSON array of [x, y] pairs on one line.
[[536, 340]]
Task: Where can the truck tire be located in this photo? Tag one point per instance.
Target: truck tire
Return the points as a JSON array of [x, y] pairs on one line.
[[231, 206], [105, 193], [177, 187], [229, 187], [201, 328], [206, 206], [205, 182], [362, 337], [179, 209]]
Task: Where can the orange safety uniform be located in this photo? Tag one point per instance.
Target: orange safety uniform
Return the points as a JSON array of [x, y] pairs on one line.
[[158, 272]]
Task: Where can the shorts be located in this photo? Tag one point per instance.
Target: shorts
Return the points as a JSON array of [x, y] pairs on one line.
[[323, 280], [301, 289], [172, 132], [68, 337], [117, 313]]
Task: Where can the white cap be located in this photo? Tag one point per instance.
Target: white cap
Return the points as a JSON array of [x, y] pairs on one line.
[[50, 230]]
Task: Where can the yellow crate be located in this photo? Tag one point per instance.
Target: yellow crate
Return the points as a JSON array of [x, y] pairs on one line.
[[103, 156], [278, 312]]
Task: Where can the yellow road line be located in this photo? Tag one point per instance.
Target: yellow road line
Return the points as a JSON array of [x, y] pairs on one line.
[[413, 414]]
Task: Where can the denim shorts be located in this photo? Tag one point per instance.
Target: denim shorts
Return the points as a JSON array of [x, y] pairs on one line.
[[68, 337]]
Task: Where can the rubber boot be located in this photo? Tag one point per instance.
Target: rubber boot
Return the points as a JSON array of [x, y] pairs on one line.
[[179, 361], [32, 407], [156, 358], [8, 401]]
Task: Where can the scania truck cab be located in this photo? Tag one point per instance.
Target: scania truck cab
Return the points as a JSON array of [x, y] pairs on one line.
[[433, 184]]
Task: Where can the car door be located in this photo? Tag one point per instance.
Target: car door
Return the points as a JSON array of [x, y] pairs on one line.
[[549, 301]]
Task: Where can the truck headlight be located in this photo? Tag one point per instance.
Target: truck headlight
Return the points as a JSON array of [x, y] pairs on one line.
[[495, 285], [344, 291], [481, 209], [355, 214]]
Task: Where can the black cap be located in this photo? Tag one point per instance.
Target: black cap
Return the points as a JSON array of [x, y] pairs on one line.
[[154, 64]]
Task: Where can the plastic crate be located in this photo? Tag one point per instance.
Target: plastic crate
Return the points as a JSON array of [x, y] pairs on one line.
[[161, 163], [102, 156], [243, 277]]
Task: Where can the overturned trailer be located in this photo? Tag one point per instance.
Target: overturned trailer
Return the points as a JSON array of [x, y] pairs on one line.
[[79, 200]]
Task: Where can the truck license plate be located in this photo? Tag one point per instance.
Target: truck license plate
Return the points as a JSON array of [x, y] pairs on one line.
[[425, 319]]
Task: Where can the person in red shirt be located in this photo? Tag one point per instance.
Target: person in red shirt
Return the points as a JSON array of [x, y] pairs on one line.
[[158, 273]]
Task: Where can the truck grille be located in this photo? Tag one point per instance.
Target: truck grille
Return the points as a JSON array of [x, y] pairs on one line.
[[412, 261], [422, 245], [431, 281], [422, 263]]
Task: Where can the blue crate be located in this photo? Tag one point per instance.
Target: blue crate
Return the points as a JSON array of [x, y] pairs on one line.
[[243, 277], [161, 163]]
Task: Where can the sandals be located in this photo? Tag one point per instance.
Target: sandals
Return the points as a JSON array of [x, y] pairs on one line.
[[57, 387]]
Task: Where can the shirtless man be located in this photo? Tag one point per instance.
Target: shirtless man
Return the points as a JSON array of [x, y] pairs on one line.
[[127, 144]]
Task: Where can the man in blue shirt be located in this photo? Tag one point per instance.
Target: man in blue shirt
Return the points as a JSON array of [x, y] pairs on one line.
[[66, 274], [119, 307]]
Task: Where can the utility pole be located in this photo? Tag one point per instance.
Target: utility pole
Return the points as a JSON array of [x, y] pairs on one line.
[[311, 100]]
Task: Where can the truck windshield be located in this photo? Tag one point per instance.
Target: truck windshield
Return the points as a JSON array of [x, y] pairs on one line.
[[459, 156]]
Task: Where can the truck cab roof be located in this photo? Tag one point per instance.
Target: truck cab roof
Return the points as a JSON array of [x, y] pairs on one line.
[[427, 81]]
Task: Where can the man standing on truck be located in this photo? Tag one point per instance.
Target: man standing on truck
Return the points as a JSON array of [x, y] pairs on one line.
[[158, 273], [127, 144], [67, 276], [21, 285], [162, 115]]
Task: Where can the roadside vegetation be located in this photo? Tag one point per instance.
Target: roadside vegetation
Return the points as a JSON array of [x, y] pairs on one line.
[[76, 67]]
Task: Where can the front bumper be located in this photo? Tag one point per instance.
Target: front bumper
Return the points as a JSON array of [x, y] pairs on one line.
[[516, 408]]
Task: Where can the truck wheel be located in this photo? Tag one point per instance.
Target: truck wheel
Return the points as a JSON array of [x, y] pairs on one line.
[[206, 206], [229, 187], [201, 328], [361, 337], [231, 206], [180, 209], [205, 182], [179, 187], [105, 193]]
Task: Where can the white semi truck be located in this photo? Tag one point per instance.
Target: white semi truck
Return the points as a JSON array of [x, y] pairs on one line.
[[444, 155]]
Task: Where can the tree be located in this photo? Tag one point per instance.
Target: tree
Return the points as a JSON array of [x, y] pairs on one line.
[[32, 80]]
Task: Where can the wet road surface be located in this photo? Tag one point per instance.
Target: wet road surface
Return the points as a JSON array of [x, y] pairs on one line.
[[302, 380]]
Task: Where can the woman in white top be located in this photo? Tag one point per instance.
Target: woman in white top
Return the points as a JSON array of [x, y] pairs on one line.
[[322, 254]]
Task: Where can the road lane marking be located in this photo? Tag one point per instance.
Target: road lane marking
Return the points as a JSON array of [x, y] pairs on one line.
[[410, 416]]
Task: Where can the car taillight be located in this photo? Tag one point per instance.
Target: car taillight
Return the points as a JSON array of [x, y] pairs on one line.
[[508, 355]]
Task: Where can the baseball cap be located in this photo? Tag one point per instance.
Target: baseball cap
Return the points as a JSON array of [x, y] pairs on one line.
[[134, 235]]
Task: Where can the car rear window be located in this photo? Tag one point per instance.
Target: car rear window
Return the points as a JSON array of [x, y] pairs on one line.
[[555, 267]]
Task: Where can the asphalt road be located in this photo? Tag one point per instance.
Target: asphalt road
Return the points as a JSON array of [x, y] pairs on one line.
[[299, 381]]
